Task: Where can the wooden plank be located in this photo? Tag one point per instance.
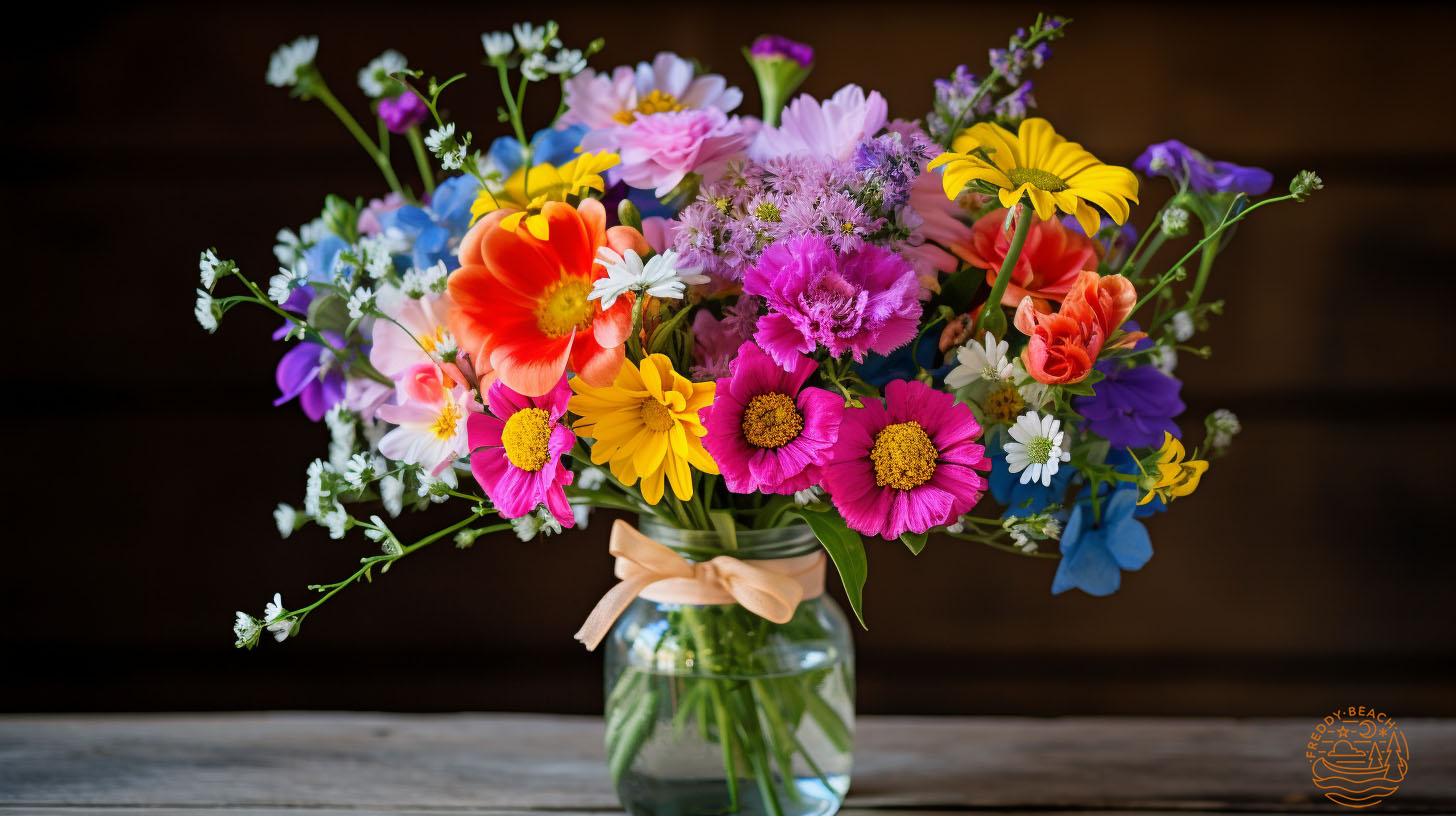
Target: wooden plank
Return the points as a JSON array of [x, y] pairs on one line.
[[504, 762]]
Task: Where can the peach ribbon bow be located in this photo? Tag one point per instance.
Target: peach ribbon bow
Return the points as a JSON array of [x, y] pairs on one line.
[[771, 589]]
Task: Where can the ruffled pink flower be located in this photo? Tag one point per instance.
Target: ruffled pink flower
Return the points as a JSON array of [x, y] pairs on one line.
[[829, 129], [858, 302], [765, 430], [907, 464], [601, 102], [516, 450], [658, 151]]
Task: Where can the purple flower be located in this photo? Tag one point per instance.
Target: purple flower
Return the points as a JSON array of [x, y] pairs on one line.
[[402, 112], [1133, 405], [953, 103], [311, 372], [858, 302], [772, 45], [1184, 165], [892, 162], [1014, 104]]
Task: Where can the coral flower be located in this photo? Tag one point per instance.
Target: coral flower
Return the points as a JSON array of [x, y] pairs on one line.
[[908, 464], [1038, 163], [1064, 345], [646, 426], [1050, 261], [516, 449], [765, 430], [521, 302]]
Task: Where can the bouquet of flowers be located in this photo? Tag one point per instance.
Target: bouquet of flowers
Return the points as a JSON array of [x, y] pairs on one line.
[[769, 337]]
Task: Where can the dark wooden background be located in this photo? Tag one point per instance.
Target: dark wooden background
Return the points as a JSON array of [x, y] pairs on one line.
[[142, 457]]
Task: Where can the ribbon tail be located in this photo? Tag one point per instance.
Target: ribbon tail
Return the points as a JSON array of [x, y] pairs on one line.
[[611, 607]]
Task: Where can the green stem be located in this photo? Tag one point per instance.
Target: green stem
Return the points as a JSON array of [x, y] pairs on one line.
[[1003, 277], [1153, 247], [1205, 266], [422, 159], [321, 90]]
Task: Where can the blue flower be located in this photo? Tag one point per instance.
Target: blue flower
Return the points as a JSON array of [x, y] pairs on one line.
[[1183, 164], [1094, 552], [320, 258], [550, 146], [879, 369], [436, 229], [1024, 499]]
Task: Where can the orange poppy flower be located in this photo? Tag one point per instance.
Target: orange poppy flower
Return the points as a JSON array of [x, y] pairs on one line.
[[522, 311]]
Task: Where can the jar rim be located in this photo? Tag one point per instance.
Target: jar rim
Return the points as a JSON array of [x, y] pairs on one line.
[[789, 541]]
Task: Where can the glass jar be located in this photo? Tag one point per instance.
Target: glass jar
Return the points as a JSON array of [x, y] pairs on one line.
[[715, 710]]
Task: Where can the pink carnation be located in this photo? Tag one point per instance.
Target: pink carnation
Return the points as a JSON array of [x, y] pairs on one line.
[[660, 150], [861, 301], [907, 464]]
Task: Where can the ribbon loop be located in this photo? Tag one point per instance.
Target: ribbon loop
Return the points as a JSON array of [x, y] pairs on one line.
[[771, 589]]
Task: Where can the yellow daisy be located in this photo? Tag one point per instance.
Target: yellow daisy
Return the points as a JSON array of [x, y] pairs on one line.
[[548, 183], [646, 426], [1175, 476], [1035, 162]]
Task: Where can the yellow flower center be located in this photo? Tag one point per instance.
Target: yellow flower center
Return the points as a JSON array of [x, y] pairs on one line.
[[903, 455], [527, 438], [656, 416], [1040, 179], [771, 421], [432, 341], [654, 102], [444, 425], [1005, 404], [847, 227], [565, 307]]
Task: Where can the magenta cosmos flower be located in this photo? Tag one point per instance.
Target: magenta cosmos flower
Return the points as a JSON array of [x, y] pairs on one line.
[[516, 448], [765, 430], [861, 301], [908, 464]]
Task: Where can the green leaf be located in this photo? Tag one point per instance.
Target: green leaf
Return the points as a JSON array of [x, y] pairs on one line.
[[915, 541], [723, 523], [329, 312], [846, 550], [1081, 389]]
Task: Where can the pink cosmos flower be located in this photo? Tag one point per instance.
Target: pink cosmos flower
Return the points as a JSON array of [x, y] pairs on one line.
[[765, 430], [602, 102], [858, 302], [431, 417], [516, 451], [830, 129], [907, 464], [658, 151]]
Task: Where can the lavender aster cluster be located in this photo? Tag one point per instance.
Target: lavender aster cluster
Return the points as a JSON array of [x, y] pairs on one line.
[[891, 163]]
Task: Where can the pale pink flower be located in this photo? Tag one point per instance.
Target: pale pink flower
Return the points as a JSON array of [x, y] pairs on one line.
[[829, 129], [432, 420], [660, 150], [600, 102], [418, 332]]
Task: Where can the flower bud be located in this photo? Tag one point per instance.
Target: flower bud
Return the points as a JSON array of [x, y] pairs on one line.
[[1304, 183], [1175, 222], [780, 65]]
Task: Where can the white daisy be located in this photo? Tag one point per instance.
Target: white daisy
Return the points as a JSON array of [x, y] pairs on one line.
[[207, 268], [497, 44], [530, 38], [286, 63], [205, 311], [360, 470], [374, 78], [281, 629], [985, 361], [660, 277], [534, 67], [567, 62], [441, 139], [1037, 450], [246, 628], [286, 518], [280, 286]]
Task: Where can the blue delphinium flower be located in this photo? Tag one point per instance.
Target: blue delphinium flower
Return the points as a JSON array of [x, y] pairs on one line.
[[1183, 164], [549, 146], [435, 229], [1095, 551], [1024, 499], [1132, 406]]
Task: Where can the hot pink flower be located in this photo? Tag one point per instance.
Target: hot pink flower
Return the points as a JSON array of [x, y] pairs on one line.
[[516, 451], [907, 464], [765, 430], [658, 151]]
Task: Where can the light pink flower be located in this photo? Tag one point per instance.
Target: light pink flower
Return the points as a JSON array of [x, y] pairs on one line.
[[828, 129], [431, 419], [601, 102], [418, 333], [660, 150]]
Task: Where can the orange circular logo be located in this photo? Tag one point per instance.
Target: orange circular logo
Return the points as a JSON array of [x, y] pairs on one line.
[[1358, 757]]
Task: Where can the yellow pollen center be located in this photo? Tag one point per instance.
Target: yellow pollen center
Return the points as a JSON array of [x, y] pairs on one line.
[[527, 438], [903, 455], [1005, 404], [847, 227], [565, 307], [444, 425], [654, 102], [656, 416], [432, 341], [771, 421], [1040, 179]]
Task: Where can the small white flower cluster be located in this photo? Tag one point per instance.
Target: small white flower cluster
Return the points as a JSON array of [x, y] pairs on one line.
[[319, 487], [290, 247], [981, 361], [286, 518], [377, 252], [809, 495], [533, 42], [343, 435], [1182, 326], [281, 285], [1222, 425], [451, 152], [361, 303], [1175, 222], [290, 60], [660, 276], [363, 469], [380, 533], [391, 493], [247, 628], [206, 311], [418, 282], [374, 78], [538, 522], [1025, 531], [436, 488], [210, 269]]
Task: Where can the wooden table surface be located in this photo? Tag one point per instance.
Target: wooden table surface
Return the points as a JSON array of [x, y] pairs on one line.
[[334, 764]]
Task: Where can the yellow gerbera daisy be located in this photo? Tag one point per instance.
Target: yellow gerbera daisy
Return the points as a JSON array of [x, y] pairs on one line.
[[1035, 162], [548, 183], [1175, 476], [646, 426]]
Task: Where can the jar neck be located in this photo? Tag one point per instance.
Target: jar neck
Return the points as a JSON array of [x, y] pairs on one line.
[[749, 545]]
